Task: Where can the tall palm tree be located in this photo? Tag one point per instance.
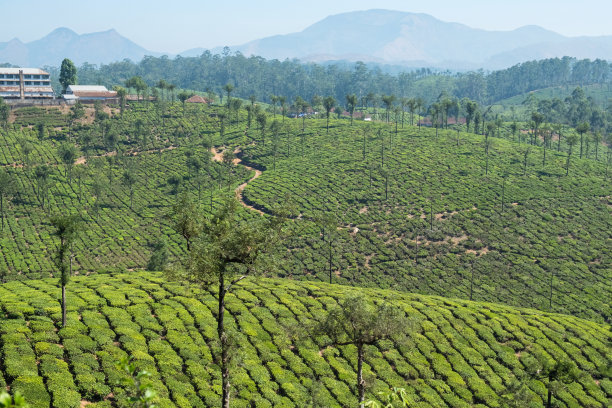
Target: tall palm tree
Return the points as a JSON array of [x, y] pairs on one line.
[[229, 88], [388, 101], [582, 129], [351, 104], [162, 85], [328, 104]]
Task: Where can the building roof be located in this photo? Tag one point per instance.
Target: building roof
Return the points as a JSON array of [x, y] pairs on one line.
[[86, 88], [196, 99], [107, 94], [26, 71]]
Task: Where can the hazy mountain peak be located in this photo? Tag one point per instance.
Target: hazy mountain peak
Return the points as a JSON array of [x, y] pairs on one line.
[[99, 47], [397, 37]]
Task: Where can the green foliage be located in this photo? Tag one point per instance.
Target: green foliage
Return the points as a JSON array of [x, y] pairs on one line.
[[140, 393], [159, 256], [457, 353], [68, 74], [16, 401]]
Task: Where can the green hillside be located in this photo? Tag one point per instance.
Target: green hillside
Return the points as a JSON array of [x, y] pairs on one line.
[[600, 93], [407, 210], [458, 354], [432, 215]]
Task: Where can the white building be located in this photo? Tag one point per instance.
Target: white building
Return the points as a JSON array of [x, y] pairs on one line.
[[86, 93], [25, 83]]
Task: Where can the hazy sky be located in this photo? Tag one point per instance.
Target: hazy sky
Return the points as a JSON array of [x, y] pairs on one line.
[[174, 26]]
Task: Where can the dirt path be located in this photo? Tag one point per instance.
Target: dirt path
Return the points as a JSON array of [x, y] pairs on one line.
[[218, 156]]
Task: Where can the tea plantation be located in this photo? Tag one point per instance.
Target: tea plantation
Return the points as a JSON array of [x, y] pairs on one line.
[[415, 211], [376, 205], [119, 232], [456, 353]]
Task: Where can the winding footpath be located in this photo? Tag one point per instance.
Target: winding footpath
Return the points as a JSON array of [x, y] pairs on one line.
[[218, 156]]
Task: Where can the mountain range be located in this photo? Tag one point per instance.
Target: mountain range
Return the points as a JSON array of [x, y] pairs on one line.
[[95, 48], [379, 36]]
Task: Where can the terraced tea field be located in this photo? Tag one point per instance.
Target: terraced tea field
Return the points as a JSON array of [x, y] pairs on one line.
[[115, 234], [401, 209], [457, 354], [419, 212]]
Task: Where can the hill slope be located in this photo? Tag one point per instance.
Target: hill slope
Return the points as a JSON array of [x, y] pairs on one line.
[[434, 226], [460, 353]]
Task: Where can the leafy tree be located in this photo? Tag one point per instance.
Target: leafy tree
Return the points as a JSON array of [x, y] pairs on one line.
[[582, 128], [235, 105], [557, 373], [228, 250], [15, 401], [412, 107], [68, 74], [229, 88], [26, 149], [159, 256], [558, 129], [5, 111], [162, 85], [351, 104], [517, 393], [140, 393], [274, 100], [76, 112], [128, 179], [571, 140], [7, 187], [186, 219], [41, 173], [357, 322], [68, 154], [66, 229], [328, 104], [183, 96], [597, 139], [282, 100], [514, 130], [537, 119], [302, 106], [122, 95], [262, 120], [138, 84], [388, 101]]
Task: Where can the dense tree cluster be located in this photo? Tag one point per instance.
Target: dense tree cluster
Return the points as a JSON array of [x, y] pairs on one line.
[[290, 78]]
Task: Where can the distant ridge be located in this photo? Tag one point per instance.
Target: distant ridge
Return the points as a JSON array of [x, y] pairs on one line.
[[378, 36], [411, 39], [94, 48]]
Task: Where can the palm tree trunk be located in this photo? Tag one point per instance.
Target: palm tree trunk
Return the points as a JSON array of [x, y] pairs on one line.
[[225, 384], [360, 382], [63, 305]]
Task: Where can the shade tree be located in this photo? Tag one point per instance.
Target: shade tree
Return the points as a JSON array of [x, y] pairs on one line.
[[66, 230], [359, 323], [228, 250]]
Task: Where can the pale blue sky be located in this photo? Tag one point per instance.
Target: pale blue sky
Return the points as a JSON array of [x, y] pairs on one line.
[[174, 26]]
